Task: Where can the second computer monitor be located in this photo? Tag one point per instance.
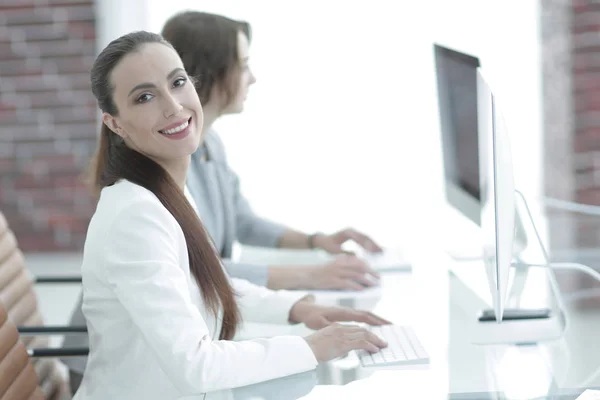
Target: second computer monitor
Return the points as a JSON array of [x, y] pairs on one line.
[[497, 189]]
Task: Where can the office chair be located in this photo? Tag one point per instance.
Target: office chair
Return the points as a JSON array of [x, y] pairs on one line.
[[19, 379], [19, 300]]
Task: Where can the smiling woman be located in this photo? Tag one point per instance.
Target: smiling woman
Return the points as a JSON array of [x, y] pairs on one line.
[[159, 308]]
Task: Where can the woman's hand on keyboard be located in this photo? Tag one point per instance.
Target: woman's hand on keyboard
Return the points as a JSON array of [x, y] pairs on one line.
[[316, 316], [345, 272], [336, 340]]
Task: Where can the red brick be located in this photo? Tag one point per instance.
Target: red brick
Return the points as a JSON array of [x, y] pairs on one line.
[[55, 3], [7, 107], [78, 12], [6, 52], [592, 48], [43, 83], [591, 132], [63, 217], [586, 21], [55, 48], [589, 41], [587, 101], [586, 81], [63, 115], [18, 132], [7, 5], [8, 117], [583, 143], [25, 182], [27, 16], [587, 120], [7, 164], [44, 242], [582, 6], [31, 83], [43, 32], [77, 64], [5, 36], [583, 62], [18, 67], [77, 130], [52, 99], [588, 196], [44, 147], [84, 30]]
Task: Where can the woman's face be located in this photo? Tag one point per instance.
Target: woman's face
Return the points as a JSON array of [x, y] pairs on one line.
[[246, 78], [159, 112]]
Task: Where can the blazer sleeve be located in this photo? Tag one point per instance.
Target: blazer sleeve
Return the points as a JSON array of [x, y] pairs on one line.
[[257, 274], [142, 269], [259, 304]]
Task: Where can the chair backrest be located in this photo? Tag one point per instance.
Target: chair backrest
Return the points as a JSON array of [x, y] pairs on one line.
[[18, 297], [18, 379]]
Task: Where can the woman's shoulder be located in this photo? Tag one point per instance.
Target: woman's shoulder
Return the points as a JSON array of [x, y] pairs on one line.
[[124, 198], [125, 192]]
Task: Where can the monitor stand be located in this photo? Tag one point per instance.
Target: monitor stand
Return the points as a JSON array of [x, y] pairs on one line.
[[519, 325], [527, 327]]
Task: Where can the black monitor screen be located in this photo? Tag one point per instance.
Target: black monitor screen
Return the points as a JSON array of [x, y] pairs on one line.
[[457, 93]]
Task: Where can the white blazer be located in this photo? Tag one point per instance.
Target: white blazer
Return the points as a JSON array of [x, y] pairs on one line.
[[151, 336]]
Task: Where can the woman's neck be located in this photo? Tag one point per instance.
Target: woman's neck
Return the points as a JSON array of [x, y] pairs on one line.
[[178, 170], [211, 114]]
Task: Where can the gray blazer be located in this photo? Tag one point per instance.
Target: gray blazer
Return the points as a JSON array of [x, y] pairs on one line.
[[226, 216], [225, 212]]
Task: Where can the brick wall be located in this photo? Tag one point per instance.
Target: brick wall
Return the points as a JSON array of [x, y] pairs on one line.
[[557, 95], [571, 56], [585, 41], [47, 120], [585, 53]]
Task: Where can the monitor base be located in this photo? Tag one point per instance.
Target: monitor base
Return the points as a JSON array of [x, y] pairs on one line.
[[540, 326]]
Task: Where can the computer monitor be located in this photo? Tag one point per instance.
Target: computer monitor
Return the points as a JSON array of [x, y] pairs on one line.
[[498, 210], [477, 163], [497, 195], [457, 97], [458, 102], [469, 113]]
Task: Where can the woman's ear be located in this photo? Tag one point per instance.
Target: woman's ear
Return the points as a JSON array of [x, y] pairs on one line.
[[113, 124]]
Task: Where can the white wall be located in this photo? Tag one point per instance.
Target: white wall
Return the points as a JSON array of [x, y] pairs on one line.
[[341, 127], [117, 17]]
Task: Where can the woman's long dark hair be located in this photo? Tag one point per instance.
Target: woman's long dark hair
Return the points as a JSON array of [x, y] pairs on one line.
[[114, 161], [208, 46]]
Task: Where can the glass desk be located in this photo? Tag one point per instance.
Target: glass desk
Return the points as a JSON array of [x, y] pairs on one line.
[[442, 308]]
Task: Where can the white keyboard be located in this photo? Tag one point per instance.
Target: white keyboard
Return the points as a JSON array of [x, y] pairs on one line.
[[404, 348], [387, 260]]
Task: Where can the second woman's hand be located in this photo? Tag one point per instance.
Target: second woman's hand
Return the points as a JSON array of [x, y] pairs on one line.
[[316, 317]]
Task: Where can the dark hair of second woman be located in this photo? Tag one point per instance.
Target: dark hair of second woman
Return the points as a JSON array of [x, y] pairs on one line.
[[114, 161], [208, 46]]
